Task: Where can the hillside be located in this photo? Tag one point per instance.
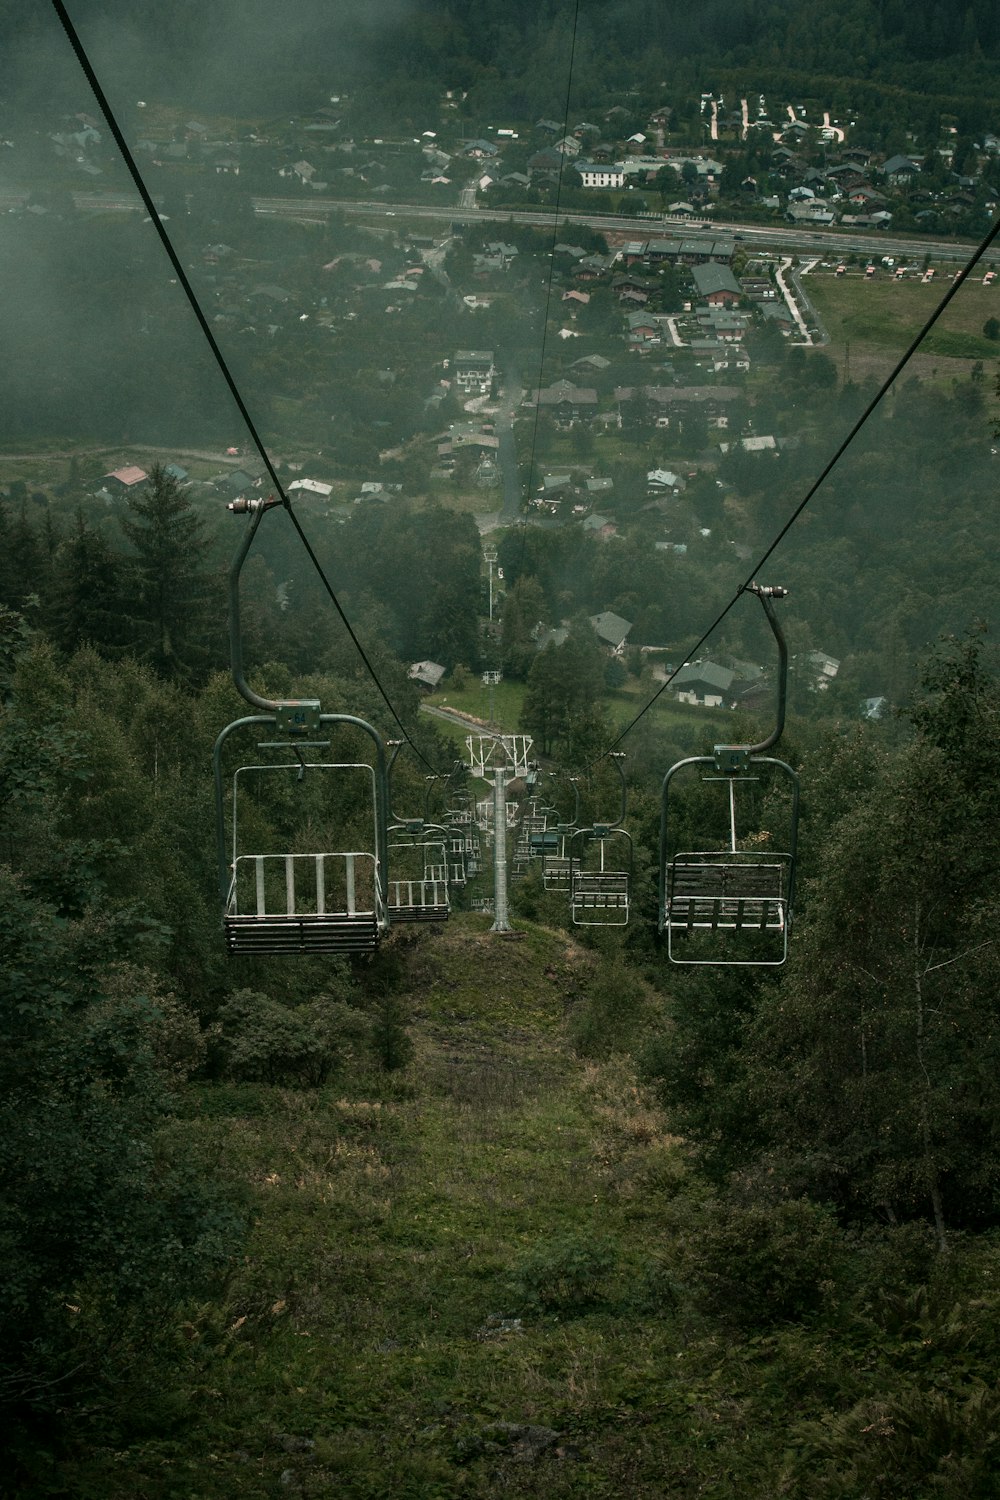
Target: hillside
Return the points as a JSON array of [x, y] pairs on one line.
[[493, 1272]]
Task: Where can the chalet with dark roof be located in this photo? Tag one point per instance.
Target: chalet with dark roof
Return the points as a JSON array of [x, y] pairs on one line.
[[715, 283]]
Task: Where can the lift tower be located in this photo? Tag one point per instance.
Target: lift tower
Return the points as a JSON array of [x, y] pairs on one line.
[[499, 759]]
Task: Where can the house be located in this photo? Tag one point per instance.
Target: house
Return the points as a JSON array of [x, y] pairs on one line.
[[642, 328], [127, 480], [722, 324], [427, 674], [715, 284], [879, 220], [547, 159], [611, 629], [711, 399], [600, 174], [758, 288], [899, 170], [704, 683], [567, 402], [501, 251], [632, 252], [310, 487], [809, 213], [659, 480], [233, 482], [712, 349], [630, 281], [602, 526], [763, 444], [823, 669], [862, 195], [591, 267], [474, 371]]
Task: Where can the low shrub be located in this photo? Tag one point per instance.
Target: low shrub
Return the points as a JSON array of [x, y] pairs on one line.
[[565, 1275], [759, 1264]]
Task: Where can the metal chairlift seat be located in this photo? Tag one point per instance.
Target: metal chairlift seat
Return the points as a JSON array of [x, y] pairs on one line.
[[733, 905], [418, 875], [556, 863], [737, 892], [418, 862], [314, 917], [600, 868], [599, 882], [303, 899], [315, 892]]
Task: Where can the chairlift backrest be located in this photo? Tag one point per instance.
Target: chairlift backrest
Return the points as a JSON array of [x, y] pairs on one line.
[[728, 900], [311, 886]]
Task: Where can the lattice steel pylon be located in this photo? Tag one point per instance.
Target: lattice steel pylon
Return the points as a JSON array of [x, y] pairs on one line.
[[498, 759]]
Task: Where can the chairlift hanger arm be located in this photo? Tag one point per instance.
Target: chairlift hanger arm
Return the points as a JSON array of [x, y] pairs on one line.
[[566, 825], [765, 595], [297, 715], [617, 757]]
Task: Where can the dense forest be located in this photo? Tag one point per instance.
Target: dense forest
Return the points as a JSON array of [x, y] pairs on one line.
[[833, 1173], [514, 54], [472, 1212]]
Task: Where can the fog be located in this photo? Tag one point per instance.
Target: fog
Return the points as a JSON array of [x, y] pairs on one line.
[[339, 333]]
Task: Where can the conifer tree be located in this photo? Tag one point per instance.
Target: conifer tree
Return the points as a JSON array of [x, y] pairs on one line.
[[87, 604], [170, 588]]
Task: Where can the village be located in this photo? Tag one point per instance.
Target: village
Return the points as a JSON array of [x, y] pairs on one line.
[[609, 381]]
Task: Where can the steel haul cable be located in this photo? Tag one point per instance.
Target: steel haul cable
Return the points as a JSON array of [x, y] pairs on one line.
[[220, 359]]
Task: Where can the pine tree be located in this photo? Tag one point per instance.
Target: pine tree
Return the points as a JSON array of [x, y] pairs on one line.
[[88, 597], [170, 598]]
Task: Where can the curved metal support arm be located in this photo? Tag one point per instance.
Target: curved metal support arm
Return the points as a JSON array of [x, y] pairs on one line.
[[413, 824], [574, 820], [617, 756], [307, 706], [765, 595]]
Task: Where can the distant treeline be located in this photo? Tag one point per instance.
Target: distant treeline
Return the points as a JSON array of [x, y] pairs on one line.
[[516, 59]]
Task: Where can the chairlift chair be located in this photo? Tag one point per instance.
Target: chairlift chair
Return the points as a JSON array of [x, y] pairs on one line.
[[732, 904], [303, 887], [290, 880], [418, 865], [556, 861], [600, 873]]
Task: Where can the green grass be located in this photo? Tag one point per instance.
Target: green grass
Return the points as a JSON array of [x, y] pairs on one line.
[[885, 316], [475, 699], [475, 1279], [622, 707]]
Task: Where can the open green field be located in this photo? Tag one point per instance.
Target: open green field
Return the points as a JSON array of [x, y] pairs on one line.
[[622, 707], [879, 320]]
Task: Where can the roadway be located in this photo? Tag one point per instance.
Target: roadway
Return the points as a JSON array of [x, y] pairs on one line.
[[791, 239]]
